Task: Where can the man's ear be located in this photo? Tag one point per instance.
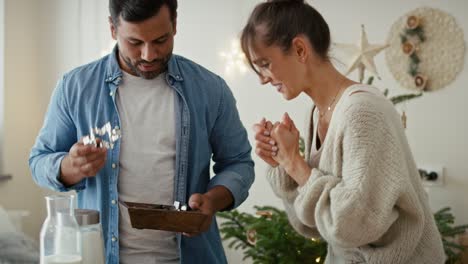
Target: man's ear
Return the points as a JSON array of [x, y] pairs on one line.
[[113, 28], [300, 48]]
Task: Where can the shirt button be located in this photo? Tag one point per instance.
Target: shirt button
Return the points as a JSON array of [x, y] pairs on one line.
[[111, 93], [113, 202], [114, 239], [114, 165]]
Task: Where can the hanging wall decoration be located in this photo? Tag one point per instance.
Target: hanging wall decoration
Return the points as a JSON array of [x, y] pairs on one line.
[[426, 50], [361, 55]]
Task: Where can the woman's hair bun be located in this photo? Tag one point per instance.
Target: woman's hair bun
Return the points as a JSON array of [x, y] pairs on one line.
[[290, 1]]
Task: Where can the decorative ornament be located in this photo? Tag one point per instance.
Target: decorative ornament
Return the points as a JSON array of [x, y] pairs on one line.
[[265, 213], [420, 81], [362, 55], [411, 37], [403, 118], [251, 236], [412, 22], [427, 49], [408, 48]]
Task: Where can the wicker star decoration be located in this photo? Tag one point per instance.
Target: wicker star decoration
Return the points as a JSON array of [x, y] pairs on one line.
[[361, 55]]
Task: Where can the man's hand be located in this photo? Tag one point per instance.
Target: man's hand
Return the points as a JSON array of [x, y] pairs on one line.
[[82, 161], [209, 203], [202, 203]]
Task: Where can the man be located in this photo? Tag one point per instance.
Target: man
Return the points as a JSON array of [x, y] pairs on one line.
[[174, 117]]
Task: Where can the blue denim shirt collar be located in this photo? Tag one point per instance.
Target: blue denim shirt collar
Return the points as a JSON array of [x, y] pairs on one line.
[[113, 71]]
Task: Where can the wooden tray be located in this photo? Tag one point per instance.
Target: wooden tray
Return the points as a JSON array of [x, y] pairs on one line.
[[164, 217]]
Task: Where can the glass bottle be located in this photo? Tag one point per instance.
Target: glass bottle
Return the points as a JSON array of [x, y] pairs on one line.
[[60, 235], [91, 234]]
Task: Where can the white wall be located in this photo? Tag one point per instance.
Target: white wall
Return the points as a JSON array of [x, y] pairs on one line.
[[42, 42], [22, 107], [2, 78]]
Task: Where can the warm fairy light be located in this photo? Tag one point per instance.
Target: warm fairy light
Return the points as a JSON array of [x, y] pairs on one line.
[[235, 59], [317, 260], [108, 50]]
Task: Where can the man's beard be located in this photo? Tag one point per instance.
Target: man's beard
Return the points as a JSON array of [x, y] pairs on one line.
[[163, 62]]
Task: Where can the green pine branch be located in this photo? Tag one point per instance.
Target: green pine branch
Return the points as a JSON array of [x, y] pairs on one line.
[[445, 220], [278, 243], [404, 97], [275, 242], [398, 98], [419, 32]]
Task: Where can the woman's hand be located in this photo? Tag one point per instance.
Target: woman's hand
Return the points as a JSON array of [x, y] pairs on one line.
[[286, 136], [265, 146]]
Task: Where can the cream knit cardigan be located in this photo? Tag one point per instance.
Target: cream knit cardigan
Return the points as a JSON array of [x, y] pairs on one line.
[[365, 198]]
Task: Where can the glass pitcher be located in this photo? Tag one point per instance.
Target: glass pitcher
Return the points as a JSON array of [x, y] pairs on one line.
[[60, 235]]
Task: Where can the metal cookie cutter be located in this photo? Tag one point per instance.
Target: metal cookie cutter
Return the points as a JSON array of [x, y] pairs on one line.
[[113, 134], [179, 207]]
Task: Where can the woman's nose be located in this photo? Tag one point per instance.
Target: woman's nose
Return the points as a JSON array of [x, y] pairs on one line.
[[264, 79]]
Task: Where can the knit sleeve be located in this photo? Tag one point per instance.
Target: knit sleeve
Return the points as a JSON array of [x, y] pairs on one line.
[[286, 188], [304, 230], [357, 207], [282, 184]]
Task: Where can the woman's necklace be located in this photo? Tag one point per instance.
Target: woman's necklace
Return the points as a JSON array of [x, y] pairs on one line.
[[332, 102]]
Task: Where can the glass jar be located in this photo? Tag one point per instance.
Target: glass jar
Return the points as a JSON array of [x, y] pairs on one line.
[[60, 239], [91, 234]]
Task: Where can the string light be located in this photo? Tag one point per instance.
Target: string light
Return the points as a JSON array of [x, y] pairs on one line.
[[317, 260], [235, 59], [109, 49]]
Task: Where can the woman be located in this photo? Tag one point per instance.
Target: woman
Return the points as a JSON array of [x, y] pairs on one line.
[[359, 186]]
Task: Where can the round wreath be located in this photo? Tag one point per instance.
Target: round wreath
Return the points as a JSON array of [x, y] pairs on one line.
[[426, 49]]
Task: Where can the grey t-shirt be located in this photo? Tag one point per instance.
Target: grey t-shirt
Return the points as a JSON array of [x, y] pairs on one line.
[[146, 164]]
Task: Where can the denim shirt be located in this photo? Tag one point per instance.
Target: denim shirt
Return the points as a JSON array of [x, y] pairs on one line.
[[207, 128]]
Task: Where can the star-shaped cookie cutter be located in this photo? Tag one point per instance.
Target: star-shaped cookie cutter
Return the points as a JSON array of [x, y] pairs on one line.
[[113, 134]]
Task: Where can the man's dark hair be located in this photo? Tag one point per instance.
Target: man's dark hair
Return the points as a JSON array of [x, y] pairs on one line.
[[139, 10]]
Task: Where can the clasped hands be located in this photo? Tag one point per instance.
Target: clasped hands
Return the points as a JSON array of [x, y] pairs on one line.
[[278, 145]]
